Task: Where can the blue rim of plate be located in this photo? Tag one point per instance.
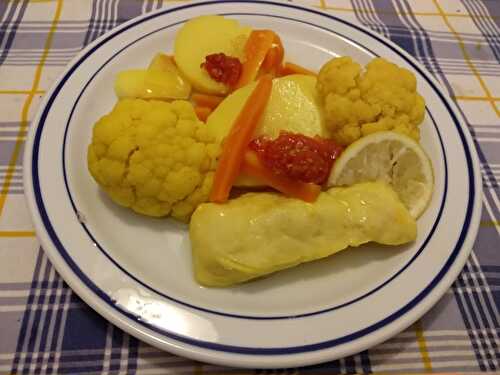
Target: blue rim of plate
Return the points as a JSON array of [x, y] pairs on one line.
[[232, 315], [241, 349]]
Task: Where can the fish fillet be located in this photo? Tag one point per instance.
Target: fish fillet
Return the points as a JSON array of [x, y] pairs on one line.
[[261, 233]]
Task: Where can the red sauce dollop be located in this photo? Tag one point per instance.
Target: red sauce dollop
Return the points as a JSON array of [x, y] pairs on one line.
[[298, 156], [222, 68]]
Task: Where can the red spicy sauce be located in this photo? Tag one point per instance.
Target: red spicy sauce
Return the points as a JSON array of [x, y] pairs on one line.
[[222, 68], [298, 156]]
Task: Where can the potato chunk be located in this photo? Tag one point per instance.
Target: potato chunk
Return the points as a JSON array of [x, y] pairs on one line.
[[162, 80], [203, 36]]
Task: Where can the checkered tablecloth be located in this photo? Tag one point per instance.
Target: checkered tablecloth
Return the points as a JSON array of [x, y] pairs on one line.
[[46, 329]]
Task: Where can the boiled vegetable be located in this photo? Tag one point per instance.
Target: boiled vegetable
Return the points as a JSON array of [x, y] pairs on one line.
[[162, 80], [238, 139], [357, 103], [254, 167], [256, 48], [274, 58], [203, 36], [202, 112], [154, 157], [291, 68], [205, 100], [294, 106]]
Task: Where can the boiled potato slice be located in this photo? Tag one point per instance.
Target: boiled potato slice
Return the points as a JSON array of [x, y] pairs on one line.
[[164, 63], [162, 80], [203, 36], [151, 84], [293, 106]]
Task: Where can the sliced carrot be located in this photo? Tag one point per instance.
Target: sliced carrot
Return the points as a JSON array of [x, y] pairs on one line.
[[256, 48], [206, 100], [239, 137], [202, 112], [274, 57], [254, 167], [291, 68]]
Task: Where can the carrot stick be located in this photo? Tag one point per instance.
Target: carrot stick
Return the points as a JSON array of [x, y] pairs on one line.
[[274, 57], [291, 68], [238, 139], [256, 48], [202, 112], [254, 167], [206, 100]]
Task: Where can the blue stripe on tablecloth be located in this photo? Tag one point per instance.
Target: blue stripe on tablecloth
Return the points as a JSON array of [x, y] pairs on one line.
[[24, 332], [6, 149], [483, 160], [38, 309], [43, 319], [8, 11], [414, 39], [483, 21], [493, 10], [101, 27], [51, 309], [332, 366], [480, 299], [14, 286], [350, 365], [492, 274], [387, 16], [369, 19], [133, 354], [103, 17], [8, 34], [424, 51], [484, 296], [90, 29], [468, 302], [366, 366]]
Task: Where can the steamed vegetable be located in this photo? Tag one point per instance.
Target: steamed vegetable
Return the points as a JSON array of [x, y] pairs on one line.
[[291, 68], [202, 112], [239, 137], [254, 167], [260, 233], [203, 36], [257, 46], [162, 80], [274, 58], [357, 103], [294, 106], [206, 100], [154, 157]]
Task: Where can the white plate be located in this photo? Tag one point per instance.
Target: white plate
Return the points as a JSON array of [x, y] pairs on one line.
[[136, 271]]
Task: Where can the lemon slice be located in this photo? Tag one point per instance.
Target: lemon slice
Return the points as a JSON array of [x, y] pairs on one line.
[[391, 157]]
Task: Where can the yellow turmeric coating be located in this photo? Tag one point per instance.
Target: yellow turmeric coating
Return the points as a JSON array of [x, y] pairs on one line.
[[154, 157], [357, 103]]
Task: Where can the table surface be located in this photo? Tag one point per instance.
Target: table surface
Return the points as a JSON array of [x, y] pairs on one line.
[[46, 329]]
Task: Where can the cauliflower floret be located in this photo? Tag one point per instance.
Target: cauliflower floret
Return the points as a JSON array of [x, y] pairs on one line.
[[154, 157], [357, 103]]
